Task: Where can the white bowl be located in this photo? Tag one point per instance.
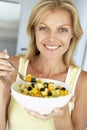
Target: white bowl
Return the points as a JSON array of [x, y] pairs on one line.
[[41, 104]]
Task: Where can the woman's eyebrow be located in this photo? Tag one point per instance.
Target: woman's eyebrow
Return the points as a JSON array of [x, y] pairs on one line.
[[42, 24]]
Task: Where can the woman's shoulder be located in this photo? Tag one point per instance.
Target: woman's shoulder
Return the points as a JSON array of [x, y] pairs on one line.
[[83, 75], [16, 59], [82, 79], [82, 82]]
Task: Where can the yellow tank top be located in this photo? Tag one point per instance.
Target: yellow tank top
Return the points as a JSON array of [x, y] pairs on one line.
[[19, 119]]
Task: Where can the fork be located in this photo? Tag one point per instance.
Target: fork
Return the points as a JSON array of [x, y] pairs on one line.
[[20, 75]]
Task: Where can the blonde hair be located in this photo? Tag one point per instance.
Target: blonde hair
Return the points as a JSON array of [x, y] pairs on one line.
[[39, 11]]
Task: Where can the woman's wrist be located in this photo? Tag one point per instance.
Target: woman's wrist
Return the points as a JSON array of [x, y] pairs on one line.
[[63, 124], [4, 101], [3, 115]]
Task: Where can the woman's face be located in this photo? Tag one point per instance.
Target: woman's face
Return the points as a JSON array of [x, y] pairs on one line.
[[53, 33]]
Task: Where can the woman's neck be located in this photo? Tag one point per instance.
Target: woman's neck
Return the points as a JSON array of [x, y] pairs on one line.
[[47, 67]]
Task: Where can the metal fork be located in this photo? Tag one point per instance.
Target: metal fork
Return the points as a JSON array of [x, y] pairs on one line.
[[20, 75]]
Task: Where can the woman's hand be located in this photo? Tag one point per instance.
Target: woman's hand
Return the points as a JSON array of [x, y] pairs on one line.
[[5, 68], [5, 77], [55, 112]]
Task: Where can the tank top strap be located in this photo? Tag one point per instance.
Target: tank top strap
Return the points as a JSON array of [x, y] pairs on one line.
[[72, 77], [23, 64], [71, 80]]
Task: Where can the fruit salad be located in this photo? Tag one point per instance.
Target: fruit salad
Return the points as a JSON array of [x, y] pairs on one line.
[[38, 88]]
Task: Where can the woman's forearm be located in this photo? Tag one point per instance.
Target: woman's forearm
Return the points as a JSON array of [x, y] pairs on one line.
[[61, 124], [3, 116], [64, 122]]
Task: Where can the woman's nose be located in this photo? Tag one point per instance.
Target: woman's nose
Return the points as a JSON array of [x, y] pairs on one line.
[[52, 36]]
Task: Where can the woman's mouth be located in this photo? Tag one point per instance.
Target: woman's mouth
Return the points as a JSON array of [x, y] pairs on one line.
[[52, 47]]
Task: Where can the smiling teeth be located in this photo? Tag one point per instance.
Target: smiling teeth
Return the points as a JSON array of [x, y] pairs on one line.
[[51, 47]]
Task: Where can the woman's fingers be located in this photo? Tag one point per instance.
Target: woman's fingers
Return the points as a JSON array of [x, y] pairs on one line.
[[73, 99], [35, 114], [4, 54], [56, 112], [5, 70], [5, 51], [6, 73], [5, 67]]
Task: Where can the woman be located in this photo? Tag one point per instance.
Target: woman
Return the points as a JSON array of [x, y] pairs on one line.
[[54, 31]]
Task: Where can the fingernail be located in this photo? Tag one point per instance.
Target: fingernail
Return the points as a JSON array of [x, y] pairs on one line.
[[32, 113], [6, 56]]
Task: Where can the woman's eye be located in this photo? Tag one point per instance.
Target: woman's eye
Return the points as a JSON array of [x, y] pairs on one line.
[[63, 30], [43, 28]]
